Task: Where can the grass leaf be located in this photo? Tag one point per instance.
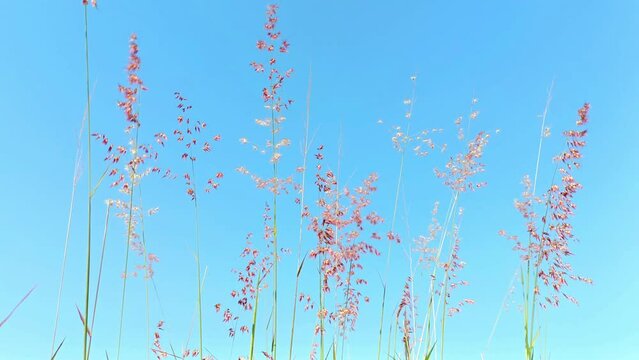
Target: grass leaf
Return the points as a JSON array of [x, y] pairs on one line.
[[16, 307]]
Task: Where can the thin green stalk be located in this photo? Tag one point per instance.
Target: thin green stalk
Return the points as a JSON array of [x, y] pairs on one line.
[[275, 233], [381, 323], [148, 315], [346, 303], [157, 297], [197, 258], [76, 175], [401, 172], [146, 280], [406, 340], [529, 336], [128, 241], [428, 327], [321, 301], [55, 353], [390, 335], [297, 281], [97, 287], [397, 190], [449, 217], [537, 266], [350, 263], [395, 335], [445, 297], [126, 264], [299, 246], [541, 134], [188, 339], [253, 326], [413, 311], [90, 187], [443, 327], [343, 346], [530, 305]]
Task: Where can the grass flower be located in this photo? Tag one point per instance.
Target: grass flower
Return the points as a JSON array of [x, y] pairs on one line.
[[272, 45], [338, 229], [549, 235]]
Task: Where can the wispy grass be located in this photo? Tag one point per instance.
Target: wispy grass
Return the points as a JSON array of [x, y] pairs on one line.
[[76, 178], [402, 149]]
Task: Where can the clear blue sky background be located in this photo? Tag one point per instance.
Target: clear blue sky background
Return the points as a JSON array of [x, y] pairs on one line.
[[506, 53]]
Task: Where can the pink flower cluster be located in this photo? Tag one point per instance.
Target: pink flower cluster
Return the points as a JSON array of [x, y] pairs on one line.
[[251, 277], [339, 251], [275, 76], [406, 308], [188, 133], [550, 235], [461, 168], [137, 167]]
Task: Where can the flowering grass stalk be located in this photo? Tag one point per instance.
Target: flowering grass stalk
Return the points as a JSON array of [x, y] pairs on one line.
[[275, 104], [431, 314], [458, 176], [139, 153], [544, 132], [85, 354], [406, 309], [275, 250], [130, 178], [130, 94], [338, 228], [188, 133], [401, 148], [543, 255], [450, 268]]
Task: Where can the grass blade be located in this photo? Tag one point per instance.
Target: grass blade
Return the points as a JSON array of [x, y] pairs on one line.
[[16, 307], [55, 353]]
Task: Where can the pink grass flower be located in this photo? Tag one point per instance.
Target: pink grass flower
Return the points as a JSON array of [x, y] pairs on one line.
[[551, 233], [342, 218]]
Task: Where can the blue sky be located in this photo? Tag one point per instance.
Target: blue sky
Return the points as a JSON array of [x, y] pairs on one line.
[[362, 54]]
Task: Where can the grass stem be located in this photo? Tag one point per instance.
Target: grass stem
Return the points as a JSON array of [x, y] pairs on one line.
[[90, 186]]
